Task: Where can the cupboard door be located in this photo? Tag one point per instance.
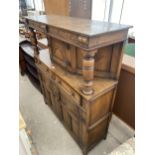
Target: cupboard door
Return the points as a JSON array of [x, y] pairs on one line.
[[71, 114], [63, 54], [98, 132], [55, 98], [42, 83], [48, 97], [69, 102], [71, 122]]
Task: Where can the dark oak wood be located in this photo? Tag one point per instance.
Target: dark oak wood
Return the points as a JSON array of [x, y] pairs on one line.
[[86, 117], [79, 72], [76, 25]]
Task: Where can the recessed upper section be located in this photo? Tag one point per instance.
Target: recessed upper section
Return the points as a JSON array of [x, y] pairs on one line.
[[81, 26]]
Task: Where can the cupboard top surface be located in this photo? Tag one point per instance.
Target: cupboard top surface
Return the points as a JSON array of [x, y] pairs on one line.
[[81, 26], [100, 86]]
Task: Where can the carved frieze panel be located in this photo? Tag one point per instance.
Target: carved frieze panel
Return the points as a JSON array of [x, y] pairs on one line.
[[73, 38]]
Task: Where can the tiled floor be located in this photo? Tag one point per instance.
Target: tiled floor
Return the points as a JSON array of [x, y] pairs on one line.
[[48, 134]]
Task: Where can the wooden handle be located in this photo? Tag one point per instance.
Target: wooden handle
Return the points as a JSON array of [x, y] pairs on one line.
[[83, 40]]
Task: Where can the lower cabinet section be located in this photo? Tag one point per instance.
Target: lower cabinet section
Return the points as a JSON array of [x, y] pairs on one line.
[[86, 121], [71, 123], [97, 133]]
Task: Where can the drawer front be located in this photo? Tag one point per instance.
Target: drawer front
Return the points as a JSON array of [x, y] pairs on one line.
[[69, 102], [69, 90], [38, 26]]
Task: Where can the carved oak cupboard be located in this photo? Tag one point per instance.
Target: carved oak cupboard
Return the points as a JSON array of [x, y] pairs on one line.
[[79, 72]]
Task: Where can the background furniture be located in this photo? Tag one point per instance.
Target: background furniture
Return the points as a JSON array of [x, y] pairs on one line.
[[26, 62], [79, 50], [26, 53], [124, 106], [80, 8]]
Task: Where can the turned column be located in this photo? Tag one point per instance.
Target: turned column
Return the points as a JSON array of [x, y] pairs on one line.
[[34, 42], [88, 72]]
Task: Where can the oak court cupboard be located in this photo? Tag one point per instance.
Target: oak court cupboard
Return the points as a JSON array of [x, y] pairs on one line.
[[79, 72]]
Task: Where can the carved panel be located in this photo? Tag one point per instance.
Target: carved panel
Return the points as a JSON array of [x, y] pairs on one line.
[[54, 90], [72, 123], [38, 26], [69, 101], [102, 105], [59, 52], [55, 93], [103, 59], [97, 133], [69, 37], [63, 54]]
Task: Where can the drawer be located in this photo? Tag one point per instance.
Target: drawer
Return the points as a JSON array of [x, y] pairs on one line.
[[62, 93], [69, 102], [69, 90], [38, 26]]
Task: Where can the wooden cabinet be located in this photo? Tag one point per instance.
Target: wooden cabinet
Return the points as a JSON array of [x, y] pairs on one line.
[[79, 73], [85, 117], [78, 8], [70, 58]]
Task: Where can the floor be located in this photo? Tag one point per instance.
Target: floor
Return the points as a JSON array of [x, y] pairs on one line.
[[50, 137]]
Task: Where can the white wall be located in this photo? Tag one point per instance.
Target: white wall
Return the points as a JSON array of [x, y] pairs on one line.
[[128, 14], [116, 11], [39, 5], [100, 11]]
